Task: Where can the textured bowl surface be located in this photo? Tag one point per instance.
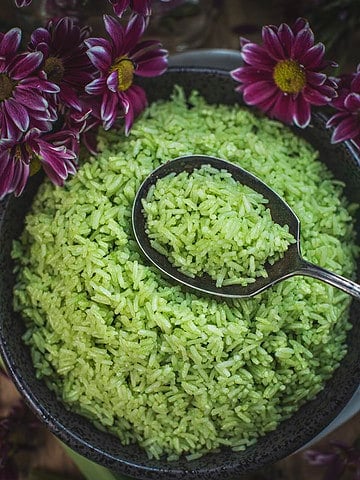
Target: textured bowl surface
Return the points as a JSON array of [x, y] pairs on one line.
[[78, 433]]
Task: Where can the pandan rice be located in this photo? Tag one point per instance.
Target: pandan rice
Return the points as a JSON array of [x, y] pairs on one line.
[[172, 371], [207, 222]]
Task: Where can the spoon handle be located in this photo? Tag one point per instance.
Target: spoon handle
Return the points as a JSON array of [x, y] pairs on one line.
[[311, 270]]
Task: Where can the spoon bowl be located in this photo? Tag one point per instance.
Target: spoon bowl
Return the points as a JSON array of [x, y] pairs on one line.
[[292, 263]]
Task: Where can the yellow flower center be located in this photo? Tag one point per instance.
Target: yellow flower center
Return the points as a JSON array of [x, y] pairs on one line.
[[55, 69], [6, 86], [289, 76], [35, 165], [125, 70]]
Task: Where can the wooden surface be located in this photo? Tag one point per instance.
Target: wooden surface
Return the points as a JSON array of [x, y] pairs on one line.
[[223, 34], [49, 455]]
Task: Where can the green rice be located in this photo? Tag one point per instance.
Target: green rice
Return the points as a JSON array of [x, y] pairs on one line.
[[174, 372], [207, 222]]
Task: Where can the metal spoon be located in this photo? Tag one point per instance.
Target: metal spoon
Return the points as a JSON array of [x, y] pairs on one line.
[[289, 265]]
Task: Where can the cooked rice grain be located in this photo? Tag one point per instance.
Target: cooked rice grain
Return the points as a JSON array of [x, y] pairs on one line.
[[177, 373], [207, 222]]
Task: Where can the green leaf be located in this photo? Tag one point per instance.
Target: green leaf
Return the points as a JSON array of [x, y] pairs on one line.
[[91, 470], [37, 474]]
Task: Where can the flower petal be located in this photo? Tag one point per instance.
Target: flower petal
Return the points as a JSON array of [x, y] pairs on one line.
[[109, 109], [300, 24], [116, 33], [113, 81], [304, 40], [302, 112], [258, 92], [21, 175], [134, 29], [22, 3], [355, 83], [18, 114], [356, 142], [142, 7], [39, 36], [257, 56], [96, 87], [30, 99], [336, 119], [63, 28], [338, 102], [244, 41], [7, 128], [98, 42], [313, 57], [143, 48], [10, 42], [100, 58], [13, 173], [25, 64], [138, 98], [347, 129], [7, 175], [283, 108], [154, 65], [272, 43], [286, 38], [314, 96], [43, 48], [352, 102], [52, 160], [327, 91], [69, 97], [250, 74], [134, 101], [267, 104], [314, 457], [55, 170], [315, 78], [38, 84], [119, 6]]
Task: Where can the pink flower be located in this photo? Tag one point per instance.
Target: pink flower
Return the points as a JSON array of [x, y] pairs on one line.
[[336, 460], [65, 61], [118, 61], [142, 7], [22, 88], [347, 120], [22, 3], [86, 123], [283, 77], [23, 157]]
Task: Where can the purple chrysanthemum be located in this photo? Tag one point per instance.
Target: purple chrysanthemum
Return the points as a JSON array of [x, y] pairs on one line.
[[65, 61], [347, 120], [118, 61], [22, 3], [283, 77], [142, 7], [17, 433], [20, 158], [86, 123], [22, 88], [339, 458]]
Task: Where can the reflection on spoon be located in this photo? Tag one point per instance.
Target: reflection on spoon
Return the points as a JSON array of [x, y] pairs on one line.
[[289, 265]]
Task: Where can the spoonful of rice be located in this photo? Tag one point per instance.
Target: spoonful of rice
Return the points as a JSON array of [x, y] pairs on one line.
[[216, 228]]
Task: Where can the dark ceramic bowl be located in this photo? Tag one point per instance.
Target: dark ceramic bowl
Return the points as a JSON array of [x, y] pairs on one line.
[[79, 433]]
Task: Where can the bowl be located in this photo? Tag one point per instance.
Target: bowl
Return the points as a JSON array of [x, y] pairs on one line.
[[101, 447]]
